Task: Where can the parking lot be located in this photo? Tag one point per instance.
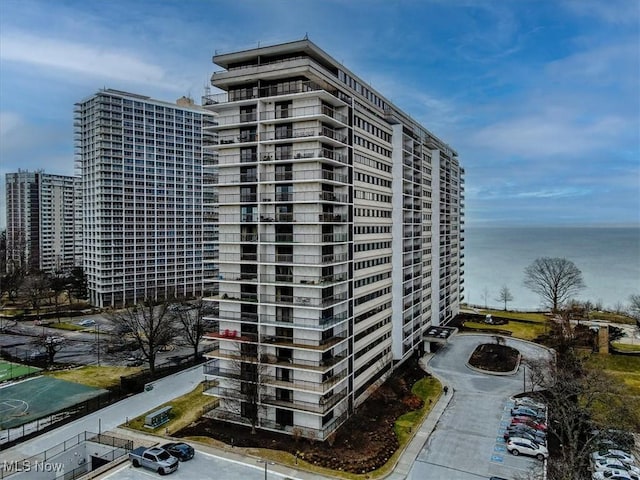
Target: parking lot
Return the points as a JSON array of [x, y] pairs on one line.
[[468, 442], [203, 465]]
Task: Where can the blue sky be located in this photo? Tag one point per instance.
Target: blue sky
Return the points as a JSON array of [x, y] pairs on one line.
[[541, 99]]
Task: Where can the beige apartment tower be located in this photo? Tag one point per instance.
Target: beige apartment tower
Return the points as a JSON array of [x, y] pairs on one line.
[[340, 238]]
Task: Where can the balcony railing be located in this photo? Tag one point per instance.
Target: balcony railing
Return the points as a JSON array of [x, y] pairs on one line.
[[323, 406], [320, 323], [321, 387], [302, 238], [305, 279], [304, 301], [295, 363], [304, 112], [297, 259], [299, 175], [293, 133]]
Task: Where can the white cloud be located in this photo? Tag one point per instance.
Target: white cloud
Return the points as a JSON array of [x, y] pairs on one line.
[[618, 12], [9, 122], [549, 133], [81, 59]]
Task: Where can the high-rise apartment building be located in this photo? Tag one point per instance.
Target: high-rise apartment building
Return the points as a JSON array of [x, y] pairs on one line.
[[140, 163], [340, 238], [42, 228]]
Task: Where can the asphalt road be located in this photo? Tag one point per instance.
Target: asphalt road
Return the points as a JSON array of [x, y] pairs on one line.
[[467, 443], [81, 347]]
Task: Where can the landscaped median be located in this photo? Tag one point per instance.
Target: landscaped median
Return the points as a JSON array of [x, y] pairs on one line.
[[523, 325]]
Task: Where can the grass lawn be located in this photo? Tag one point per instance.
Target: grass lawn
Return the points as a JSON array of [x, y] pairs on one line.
[[185, 410], [624, 368], [626, 371], [65, 326], [530, 316], [626, 347], [429, 390], [523, 330], [612, 317], [94, 376]]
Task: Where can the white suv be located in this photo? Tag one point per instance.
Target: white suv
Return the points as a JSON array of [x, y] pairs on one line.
[[517, 445]]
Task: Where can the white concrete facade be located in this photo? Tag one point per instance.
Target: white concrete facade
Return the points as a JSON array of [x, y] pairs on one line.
[[326, 238], [140, 161]]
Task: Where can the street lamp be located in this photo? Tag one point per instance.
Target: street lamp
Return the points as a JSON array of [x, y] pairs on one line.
[[98, 341], [266, 462]]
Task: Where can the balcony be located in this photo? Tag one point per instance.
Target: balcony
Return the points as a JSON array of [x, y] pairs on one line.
[[294, 363], [298, 259], [304, 301], [305, 279], [305, 385], [316, 175], [323, 406], [236, 139], [310, 111]]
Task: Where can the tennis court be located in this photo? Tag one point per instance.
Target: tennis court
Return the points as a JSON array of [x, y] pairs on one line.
[[35, 398], [10, 370]]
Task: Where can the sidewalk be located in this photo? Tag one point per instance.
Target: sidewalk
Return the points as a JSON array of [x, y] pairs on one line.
[[411, 452]]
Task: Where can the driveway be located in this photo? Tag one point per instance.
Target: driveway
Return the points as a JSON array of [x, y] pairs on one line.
[[467, 443]]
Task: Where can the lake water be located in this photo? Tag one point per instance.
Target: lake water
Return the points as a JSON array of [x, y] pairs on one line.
[[609, 259]]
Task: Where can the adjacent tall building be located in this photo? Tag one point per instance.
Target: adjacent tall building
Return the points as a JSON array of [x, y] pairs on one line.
[[340, 238], [42, 222], [140, 164]]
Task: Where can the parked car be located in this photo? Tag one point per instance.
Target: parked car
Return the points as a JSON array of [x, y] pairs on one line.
[[529, 402], [614, 454], [525, 434], [614, 475], [37, 356], [518, 445], [156, 459], [514, 429], [603, 464], [530, 422], [615, 439], [180, 450], [527, 412], [87, 322]]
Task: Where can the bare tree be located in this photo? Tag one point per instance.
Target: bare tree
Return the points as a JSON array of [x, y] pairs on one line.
[[485, 296], [12, 283], [150, 325], [554, 279], [50, 345], [3, 251], [249, 373], [634, 307], [576, 396], [77, 284], [191, 323], [58, 284], [504, 296], [36, 287]]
